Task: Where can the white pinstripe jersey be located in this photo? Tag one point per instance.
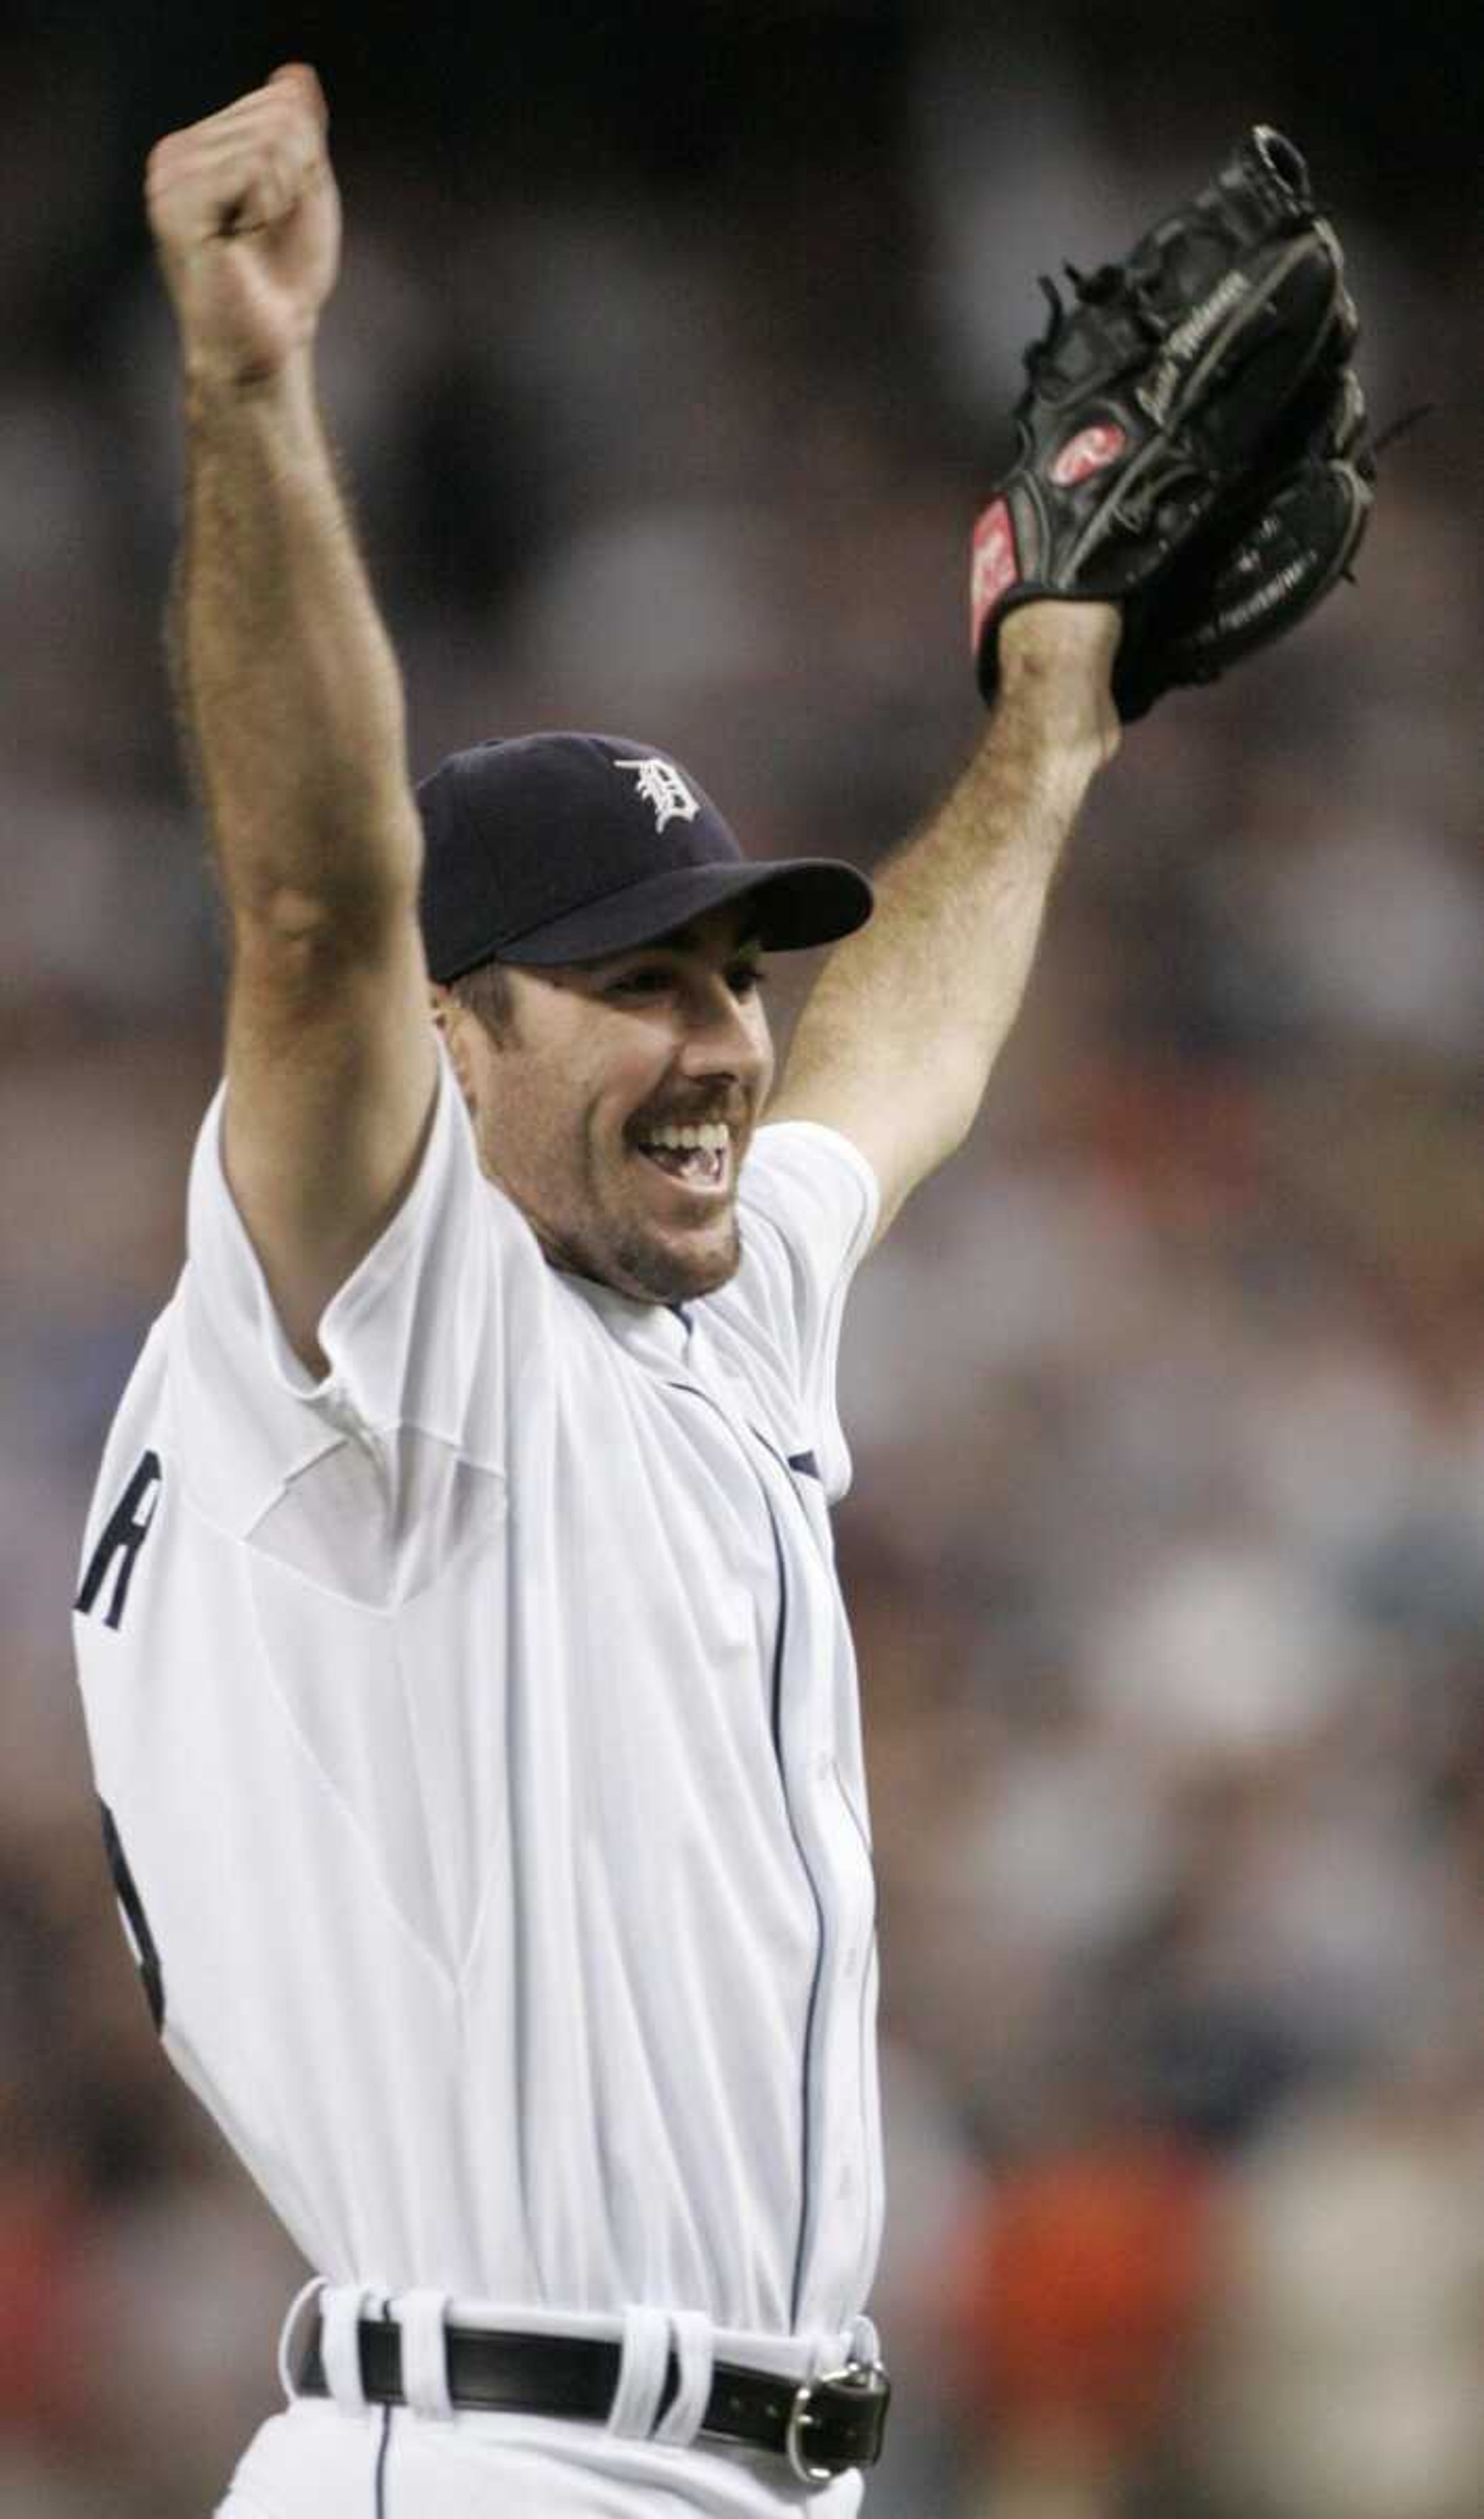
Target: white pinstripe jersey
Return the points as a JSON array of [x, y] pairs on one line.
[[478, 1734]]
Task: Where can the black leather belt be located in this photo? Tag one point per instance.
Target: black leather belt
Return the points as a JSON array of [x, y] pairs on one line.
[[822, 2427]]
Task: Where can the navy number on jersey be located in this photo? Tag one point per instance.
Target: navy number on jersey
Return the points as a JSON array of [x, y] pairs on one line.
[[136, 1923], [120, 1540]]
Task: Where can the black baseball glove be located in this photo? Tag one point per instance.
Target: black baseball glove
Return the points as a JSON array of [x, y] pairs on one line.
[[1268, 559], [1191, 436]]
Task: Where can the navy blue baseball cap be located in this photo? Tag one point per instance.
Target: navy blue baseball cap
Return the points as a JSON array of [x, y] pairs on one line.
[[561, 848]]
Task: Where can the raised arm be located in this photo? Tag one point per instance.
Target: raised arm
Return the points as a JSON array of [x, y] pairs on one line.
[[294, 709], [1192, 476], [897, 1041]]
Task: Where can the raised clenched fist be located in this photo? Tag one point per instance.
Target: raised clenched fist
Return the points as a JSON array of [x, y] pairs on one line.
[[247, 219]]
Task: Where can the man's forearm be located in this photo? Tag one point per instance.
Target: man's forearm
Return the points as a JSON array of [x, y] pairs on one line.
[[286, 676], [919, 1003]]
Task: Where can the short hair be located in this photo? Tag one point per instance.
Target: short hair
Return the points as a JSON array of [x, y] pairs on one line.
[[487, 993]]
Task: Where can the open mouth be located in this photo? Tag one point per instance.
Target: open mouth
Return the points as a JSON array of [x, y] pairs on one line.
[[697, 1158]]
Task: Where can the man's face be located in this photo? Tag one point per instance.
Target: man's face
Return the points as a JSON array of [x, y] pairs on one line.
[[573, 1104]]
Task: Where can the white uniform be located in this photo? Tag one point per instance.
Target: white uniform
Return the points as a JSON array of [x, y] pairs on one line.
[[478, 1739]]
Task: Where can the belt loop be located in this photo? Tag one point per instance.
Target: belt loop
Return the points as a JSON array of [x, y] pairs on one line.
[[424, 2352], [340, 2306], [865, 2343], [643, 2366], [695, 2351], [306, 2291]]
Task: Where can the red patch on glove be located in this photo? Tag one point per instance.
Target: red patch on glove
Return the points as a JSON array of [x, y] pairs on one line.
[[996, 566], [1091, 451]]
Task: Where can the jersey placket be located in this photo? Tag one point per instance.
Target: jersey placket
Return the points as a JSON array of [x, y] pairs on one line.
[[807, 1778]]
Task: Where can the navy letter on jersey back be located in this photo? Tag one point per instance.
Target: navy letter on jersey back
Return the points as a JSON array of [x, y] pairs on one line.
[[122, 1536]]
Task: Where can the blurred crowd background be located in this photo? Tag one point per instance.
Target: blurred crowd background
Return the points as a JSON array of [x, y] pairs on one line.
[[671, 358]]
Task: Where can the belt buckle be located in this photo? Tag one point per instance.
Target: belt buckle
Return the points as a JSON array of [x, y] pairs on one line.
[[858, 2380]]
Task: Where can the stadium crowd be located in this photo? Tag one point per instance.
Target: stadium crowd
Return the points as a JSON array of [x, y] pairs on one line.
[[1165, 1549]]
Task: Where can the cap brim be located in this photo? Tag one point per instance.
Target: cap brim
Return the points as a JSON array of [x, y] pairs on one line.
[[802, 902]]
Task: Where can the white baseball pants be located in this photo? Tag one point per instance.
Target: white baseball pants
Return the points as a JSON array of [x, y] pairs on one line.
[[316, 2461]]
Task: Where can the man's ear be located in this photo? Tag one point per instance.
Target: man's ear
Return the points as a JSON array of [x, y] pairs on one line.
[[446, 1011]]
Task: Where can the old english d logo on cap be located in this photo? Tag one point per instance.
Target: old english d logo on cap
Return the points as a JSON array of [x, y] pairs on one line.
[[661, 785]]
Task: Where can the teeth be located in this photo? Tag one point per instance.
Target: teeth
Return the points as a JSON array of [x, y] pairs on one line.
[[714, 1135]]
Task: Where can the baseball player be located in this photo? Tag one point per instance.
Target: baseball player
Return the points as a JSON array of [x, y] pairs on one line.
[[468, 1689]]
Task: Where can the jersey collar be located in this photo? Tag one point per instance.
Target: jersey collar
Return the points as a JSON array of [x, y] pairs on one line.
[[654, 1333]]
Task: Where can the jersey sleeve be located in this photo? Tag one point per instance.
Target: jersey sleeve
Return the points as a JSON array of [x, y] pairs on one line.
[[809, 1206], [412, 1338]]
